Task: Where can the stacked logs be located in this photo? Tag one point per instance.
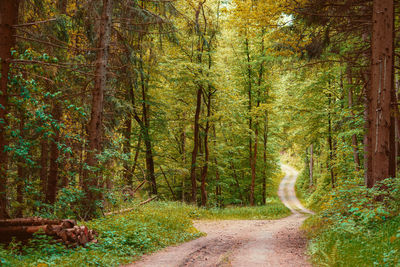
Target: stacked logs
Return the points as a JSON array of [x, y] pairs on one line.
[[65, 231]]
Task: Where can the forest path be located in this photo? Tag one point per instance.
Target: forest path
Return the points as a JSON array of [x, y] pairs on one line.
[[243, 243]]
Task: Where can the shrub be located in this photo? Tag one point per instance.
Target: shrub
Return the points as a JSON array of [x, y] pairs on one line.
[[357, 226]]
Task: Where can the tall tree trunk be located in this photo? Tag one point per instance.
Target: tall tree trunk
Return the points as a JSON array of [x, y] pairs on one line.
[[354, 141], [135, 159], [253, 167], [183, 150], [368, 180], [264, 183], [217, 175], [95, 127], [44, 157], [8, 18], [52, 180], [382, 74], [311, 165], [195, 145], [235, 176], [150, 172], [330, 142], [249, 92], [206, 153], [150, 162], [21, 172], [127, 151]]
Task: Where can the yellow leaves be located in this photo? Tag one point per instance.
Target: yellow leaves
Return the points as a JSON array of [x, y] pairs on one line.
[[392, 239]]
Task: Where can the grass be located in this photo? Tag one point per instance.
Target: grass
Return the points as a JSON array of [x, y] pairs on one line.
[[125, 237], [354, 229], [353, 246]]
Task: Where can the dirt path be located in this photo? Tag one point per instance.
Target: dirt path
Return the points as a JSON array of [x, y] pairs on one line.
[[243, 243]]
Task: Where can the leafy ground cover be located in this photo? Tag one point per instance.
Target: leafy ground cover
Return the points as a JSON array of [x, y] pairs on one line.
[[124, 237], [357, 227]]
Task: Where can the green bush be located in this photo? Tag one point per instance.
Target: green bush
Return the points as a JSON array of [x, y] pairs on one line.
[[358, 226]]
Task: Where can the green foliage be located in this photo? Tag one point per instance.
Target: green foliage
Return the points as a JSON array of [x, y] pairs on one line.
[[124, 237], [273, 209], [358, 226], [121, 239]]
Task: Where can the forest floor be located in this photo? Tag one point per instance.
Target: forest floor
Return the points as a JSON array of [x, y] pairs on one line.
[[243, 243]]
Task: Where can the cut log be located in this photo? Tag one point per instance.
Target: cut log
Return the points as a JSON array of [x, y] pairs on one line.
[[28, 222], [65, 231]]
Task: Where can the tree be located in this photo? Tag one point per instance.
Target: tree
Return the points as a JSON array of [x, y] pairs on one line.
[[9, 18], [380, 96], [95, 126]]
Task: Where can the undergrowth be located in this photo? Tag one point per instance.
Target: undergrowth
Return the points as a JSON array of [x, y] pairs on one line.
[[123, 238], [357, 227]]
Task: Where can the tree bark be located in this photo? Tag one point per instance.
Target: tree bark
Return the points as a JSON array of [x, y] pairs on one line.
[[135, 159], [354, 141], [249, 92], [235, 176], [52, 180], [95, 127], [169, 186], [218, 192], [253, 167], [183, 150], [206, 153], [8, 17], [311, 165], [150, 173], [44, 155], [127, 151], [330, 142], [264, 183], [21, 172], [195, 145], [382, 77]]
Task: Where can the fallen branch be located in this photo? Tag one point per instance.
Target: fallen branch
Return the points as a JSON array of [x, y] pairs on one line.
[[129, 209]]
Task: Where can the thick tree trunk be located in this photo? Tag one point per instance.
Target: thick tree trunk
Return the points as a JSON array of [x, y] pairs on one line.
[[368, 180], [382, 74], [52, 180], [95, 127], [195, 145], [8, 17]]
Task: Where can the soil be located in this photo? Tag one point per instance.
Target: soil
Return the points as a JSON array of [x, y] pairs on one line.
[[243, 243]]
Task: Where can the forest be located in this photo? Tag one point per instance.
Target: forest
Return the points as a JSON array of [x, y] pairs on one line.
[[135, 117]]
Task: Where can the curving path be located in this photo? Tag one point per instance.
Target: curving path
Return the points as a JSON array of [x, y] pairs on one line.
[[243, 243]]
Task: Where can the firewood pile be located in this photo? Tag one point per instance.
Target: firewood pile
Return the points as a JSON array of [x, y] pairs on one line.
[[65, 231]]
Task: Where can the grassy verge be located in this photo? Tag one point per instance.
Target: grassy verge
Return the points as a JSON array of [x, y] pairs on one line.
[[125, 237], [345, 245], [354, 229]]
